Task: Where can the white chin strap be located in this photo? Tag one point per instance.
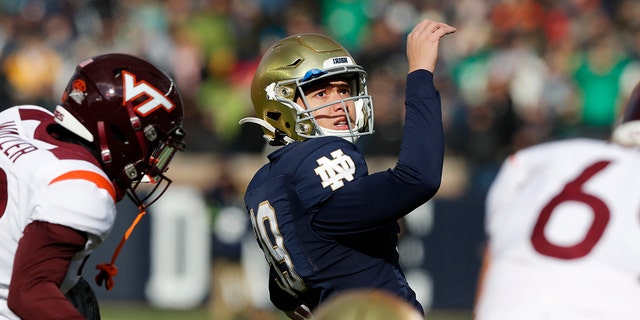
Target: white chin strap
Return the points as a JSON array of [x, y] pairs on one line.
[[360, 118], [346, 134]]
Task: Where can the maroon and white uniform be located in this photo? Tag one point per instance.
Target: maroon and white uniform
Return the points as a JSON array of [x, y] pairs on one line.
[[563, 225], [48, 189], [118, 124]]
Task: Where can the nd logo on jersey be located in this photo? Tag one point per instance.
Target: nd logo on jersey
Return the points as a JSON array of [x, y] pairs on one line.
[[332, 171]]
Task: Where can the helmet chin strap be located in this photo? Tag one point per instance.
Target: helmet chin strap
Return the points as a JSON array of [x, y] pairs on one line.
[[105, 153], [109, 270], [267, 126], [360, 114], [345, 134], [136, 125]]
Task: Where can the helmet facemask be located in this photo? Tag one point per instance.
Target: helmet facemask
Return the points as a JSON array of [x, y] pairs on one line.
[[150, 172], [306, 124], [289, 66]]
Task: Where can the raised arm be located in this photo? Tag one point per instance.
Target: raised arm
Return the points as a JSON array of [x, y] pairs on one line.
[[423, 43], [389, 195]]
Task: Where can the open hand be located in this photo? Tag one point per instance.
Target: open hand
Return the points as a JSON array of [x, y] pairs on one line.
[[423, 42]]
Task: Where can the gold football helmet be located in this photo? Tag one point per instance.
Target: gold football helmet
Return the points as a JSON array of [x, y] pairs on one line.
[[285, 69], [366, 304]]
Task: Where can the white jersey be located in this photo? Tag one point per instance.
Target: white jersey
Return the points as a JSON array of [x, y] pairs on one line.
[[41, 181], [563, 221]]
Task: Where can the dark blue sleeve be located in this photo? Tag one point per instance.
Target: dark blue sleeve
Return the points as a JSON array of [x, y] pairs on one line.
[[370, 201], [280, 298]]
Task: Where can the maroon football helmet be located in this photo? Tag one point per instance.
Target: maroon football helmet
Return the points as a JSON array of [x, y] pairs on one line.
[[130, 112], [627, 129]]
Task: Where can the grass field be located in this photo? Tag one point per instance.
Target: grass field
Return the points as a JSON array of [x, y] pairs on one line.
[[140, 311]]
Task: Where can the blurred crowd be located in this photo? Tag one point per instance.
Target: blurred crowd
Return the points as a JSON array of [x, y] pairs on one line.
[[518, 72]]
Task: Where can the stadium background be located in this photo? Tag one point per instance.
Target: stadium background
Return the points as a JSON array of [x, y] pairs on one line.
[[516, 73]]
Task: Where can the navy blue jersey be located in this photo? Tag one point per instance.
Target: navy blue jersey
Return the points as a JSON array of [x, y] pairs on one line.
[[326, 225]]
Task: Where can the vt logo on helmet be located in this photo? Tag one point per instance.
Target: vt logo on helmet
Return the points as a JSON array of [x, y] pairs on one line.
[[133, 90], [130, 113]]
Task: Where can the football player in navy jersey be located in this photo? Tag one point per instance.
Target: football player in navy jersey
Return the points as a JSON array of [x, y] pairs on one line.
[[324, 223]]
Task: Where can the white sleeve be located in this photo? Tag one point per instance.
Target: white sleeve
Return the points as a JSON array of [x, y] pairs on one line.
[[515, 173], [78, 204], [504, 186]]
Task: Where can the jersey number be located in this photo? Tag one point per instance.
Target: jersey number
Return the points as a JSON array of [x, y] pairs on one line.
[[573, 192], [271, 241]]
